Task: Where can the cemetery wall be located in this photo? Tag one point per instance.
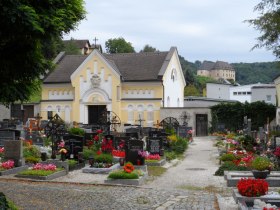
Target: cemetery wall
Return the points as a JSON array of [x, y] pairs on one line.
[[177, 113]]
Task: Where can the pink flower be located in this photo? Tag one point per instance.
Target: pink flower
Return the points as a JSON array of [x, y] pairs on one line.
[[1, 149], [61, 144], [8, 164], [46, 167]]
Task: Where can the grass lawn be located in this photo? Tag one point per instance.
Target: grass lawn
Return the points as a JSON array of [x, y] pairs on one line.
[[156, 170]]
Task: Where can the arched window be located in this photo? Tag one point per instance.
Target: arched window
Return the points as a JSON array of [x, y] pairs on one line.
[[67, 114], [168, 101], [140, 114], [150, 116], [49, 112], [130, 113], [58, 109], [173, 75]]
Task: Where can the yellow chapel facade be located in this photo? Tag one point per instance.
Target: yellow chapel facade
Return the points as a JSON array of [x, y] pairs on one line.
[[132, 85]]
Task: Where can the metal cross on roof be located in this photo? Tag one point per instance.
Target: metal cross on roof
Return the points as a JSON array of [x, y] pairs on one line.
[[95, 39]]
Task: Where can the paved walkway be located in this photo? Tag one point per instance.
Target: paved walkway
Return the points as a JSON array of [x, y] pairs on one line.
[[189, 184], [195, 170]]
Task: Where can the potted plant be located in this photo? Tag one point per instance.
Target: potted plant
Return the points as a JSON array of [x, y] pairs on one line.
[[260, 166]]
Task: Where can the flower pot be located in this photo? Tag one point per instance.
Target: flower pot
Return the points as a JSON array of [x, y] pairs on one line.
[[260, 174]]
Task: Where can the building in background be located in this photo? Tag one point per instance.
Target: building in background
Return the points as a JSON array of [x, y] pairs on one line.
[[254, 92], [217, 70], [132, 85]]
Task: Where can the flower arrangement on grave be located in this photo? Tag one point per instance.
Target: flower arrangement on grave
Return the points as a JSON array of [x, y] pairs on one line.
[[96, 141], [107, 145], [118, 153], [261, 163], [46, 167], [128, 172], [277, 152], [40, 169], [2, 152], [7, 165], [128, 167], [152, 157], [252, 187]]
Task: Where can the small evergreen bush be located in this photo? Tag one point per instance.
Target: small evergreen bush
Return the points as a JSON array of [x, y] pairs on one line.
[[229, 166], [121, 174], [77, 131], [227, 157], [103, 158]]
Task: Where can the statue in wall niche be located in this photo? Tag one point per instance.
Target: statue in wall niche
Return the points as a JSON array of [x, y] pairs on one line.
[[95, 81]]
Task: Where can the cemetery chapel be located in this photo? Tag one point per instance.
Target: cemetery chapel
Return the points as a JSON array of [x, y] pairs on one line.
[[132, 85]]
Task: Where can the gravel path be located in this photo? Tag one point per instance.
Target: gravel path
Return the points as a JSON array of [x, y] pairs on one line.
[[195, 170]]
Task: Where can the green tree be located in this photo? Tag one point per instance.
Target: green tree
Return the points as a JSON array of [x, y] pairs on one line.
[[26, 28], [118, 45], [191, 90], [268, 23], [148, 48], [71, 48]]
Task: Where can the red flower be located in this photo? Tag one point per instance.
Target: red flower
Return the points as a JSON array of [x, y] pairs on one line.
[[98, 152], [99, 131], [252, 187], [96, 138], [128, 168]]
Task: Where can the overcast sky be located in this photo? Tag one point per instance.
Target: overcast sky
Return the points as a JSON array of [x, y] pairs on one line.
[[200, 29]]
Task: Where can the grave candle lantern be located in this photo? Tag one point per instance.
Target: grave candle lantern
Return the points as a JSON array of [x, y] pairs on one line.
[[91, 161]]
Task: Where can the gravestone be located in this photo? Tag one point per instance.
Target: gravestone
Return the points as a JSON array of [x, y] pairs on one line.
[[132, 149], [155, 145], [146, 130], [183, 131], [3, 124], [74, 144], [35, 138], [118, 140], [132, 135], [276, 141], [155, 134], [6, 135], [261, 133], [14, 151]]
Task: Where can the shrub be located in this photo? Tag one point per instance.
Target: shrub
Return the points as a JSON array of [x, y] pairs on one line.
[[252, 187], [31, 159], [261, 163], [72, 163], [229, 166], [121, 174], [103, 158], [77, 131], [87, 153], [179, 146], [227, 157], [170, 155], [31, 150]]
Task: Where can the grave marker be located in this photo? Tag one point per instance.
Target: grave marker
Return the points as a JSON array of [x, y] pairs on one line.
[[14, 150], [132, 149], [183, 131], [155, 145], [6, 135]]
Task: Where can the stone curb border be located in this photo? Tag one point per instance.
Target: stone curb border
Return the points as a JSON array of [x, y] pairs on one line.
[[13, 170]]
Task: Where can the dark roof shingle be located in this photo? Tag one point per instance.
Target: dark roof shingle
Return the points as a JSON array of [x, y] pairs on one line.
[[206, 65], [138, 66], [65, 67], [131, 66]]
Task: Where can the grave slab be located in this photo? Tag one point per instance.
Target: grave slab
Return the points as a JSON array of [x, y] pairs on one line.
[[232, 177]]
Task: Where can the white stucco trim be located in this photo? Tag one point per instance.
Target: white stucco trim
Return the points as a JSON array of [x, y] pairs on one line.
[[88, 93], [91, 55]]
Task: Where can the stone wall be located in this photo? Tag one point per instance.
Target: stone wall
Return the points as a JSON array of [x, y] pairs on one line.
[[178, 112]]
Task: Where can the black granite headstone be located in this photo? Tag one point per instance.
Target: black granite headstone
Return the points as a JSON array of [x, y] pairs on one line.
[[132, 149], [6, 135], [155, 145], [183, 131]]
